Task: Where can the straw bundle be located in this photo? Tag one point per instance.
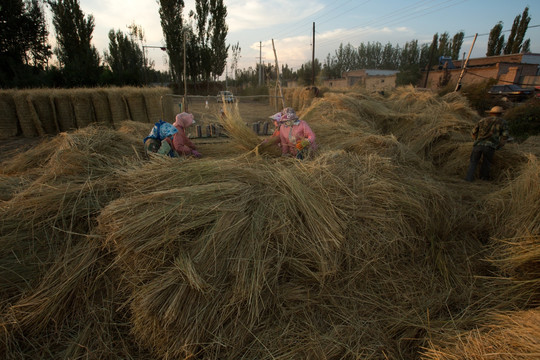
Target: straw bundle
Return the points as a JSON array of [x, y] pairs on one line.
[[134, 129], [333, 121], [531, 145], [8, 115], [516, 235], [28, 118], [411, 100], [241, 135], [136, 105], [83, 107], [224, 264], [102, 109], [205, 269], [512, 335], [153, 105], [41, 101], [517, 206], [384, 146], [64, 110], [119, 109], [10, 185]]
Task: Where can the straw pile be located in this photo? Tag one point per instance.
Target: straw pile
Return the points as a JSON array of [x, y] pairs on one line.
[[369, 250], [506, 336]]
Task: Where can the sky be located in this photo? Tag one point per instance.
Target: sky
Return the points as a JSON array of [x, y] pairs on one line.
[[288, 24]]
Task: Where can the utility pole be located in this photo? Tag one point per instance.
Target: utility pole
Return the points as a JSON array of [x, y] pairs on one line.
[[313, 58], [458, 85]]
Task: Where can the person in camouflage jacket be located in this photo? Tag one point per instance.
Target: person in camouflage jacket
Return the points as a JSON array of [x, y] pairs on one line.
[[489, 134]]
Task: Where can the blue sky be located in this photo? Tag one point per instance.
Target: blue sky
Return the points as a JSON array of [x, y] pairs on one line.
[[290, 24]]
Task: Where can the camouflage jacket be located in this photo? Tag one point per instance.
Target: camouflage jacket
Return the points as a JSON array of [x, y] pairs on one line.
[[489, 131]]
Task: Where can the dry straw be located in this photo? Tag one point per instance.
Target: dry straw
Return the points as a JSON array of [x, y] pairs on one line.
[[8, 115], [512, 335], [361, 252], [153, 103], [41, 101], [64, 110], [83, 108], [135, 101], [119, 108], [28, 118], [102, 109]]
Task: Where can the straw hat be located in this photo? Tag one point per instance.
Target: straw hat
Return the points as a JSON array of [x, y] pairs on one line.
[[496, 110]]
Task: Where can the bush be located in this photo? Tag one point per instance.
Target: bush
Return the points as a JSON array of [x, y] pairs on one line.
[[478, 96], [524, 119]]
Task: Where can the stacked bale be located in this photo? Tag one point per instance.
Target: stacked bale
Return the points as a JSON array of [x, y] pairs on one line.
[[153, 103], [83, 107], [8, 115], [135, 101], [26, 113], [64, 110], [42, 103], [119, 108], [102, 109]]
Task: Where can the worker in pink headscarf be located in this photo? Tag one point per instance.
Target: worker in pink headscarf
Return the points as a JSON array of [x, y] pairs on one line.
[[297, 138], [181, 143]]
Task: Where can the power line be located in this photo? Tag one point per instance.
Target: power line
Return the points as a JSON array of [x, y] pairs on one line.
[[407, 15], [528, 27]]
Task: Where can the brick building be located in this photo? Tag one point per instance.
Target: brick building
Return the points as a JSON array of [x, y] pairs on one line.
[[370, 79], [520, 69]]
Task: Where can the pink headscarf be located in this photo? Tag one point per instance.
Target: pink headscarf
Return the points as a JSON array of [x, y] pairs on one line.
[[184, 120]]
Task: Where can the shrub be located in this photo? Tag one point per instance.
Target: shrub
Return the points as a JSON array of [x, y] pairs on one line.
[[524, 119]]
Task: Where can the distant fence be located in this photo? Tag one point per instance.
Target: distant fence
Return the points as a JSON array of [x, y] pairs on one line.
[[39, 112]]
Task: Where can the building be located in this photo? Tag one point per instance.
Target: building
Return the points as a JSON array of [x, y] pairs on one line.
[[370, 79], [519, 69]]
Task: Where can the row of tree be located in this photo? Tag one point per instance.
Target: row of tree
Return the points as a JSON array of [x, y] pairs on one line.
[[25, 53], [409, 59]]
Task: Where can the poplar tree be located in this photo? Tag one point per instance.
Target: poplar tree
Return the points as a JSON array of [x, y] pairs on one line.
[[218, 35], [496, 40], [517, 34], [457, 42], [170, 12], [24, 45], [125, 58], [79, 58]]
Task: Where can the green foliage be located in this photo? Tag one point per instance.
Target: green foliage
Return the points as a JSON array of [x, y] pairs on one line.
[[517, 34], [524, 119], [496, 40], [80, 59], [478, 96], [24, 50], [125, 59]]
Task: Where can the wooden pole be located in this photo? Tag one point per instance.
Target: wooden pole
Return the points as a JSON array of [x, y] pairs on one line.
[[313, 58], [458, 85], [185, 107], [278, 79]]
